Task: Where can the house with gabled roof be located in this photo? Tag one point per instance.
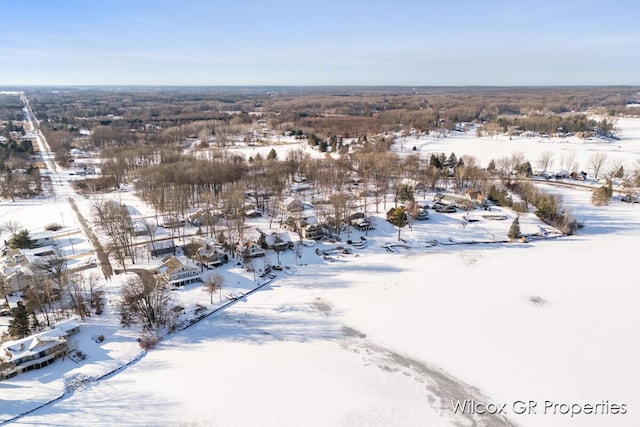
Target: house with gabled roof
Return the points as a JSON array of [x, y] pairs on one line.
[[178, 271], [307, 228], [276, 241], [17, 269], [250, 249], [36, 351], [211, 256], [474, 195]]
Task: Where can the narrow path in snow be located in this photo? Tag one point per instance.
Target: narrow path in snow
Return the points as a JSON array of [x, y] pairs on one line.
[[103, 257], [444, 389]]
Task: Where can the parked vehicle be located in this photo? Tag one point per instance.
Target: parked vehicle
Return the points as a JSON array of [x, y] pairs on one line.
[[443, 207], [630, 198]]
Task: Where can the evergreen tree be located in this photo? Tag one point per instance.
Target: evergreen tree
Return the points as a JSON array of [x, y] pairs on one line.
[[273, 155], [435, 162], [451, 161], [525, 169], [21, 240], [514, 230], [313, 140], [20, 325], [405, 193], [398, 217]]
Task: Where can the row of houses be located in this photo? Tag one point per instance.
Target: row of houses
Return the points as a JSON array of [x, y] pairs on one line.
[[308, 227], [18, 266]]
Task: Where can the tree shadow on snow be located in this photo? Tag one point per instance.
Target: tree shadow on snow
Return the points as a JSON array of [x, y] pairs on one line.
[[303, 322]]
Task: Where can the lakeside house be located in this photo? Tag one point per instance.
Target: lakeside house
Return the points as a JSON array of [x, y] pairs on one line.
[[250, 249], [276, 241], [211, 256], [36, 351], [177, 272], [307, 227]]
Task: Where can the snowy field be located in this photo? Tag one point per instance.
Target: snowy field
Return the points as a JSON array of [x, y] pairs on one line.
[[380, 338]]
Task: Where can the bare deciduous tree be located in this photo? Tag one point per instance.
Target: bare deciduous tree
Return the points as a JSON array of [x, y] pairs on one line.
[[145, 301], [597, 162], [11, 226], [545, 161], [213, 284]]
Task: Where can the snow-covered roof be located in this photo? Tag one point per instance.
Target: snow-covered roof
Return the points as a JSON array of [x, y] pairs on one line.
[[34, 344]]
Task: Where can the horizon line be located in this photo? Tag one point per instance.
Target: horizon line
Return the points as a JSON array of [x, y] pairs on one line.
[[408, 86]]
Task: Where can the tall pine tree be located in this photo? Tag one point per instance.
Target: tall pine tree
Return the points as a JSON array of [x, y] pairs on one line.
[[20, 325], [514, 231]]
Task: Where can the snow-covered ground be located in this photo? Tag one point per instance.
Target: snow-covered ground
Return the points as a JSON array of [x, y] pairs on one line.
[[564, 150], [386, 338]]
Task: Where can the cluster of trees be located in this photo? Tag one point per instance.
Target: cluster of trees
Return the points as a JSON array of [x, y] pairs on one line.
[[145, 299], [53, 294], [114, 219], [20, 183], [19, 177], [548, 207], [554, 123], [163, 117], [10, 111]]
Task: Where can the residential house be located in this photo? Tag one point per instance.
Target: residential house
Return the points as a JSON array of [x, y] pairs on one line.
[[68, 327], [177, 272], [211, 256], [276, 241], [204, 217], [140, 228], [333, 226], [444, 207], [252, 213], [474, 195], [161, 247], [172, 221], [41, 239], [17, 269], [36, 351], [250, 249], [306, 227], [294, 205]]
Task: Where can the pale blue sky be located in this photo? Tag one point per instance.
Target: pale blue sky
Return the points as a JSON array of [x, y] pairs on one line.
[[328, 42]]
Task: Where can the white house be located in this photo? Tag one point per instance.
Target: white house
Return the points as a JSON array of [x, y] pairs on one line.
[[178, 272], [250, 249], [36, 351], [41, 239], [17, 268]]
